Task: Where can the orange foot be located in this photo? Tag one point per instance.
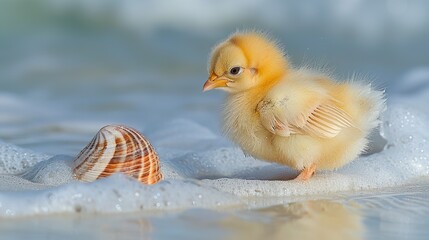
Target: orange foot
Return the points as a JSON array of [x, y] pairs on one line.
[[306, 173]]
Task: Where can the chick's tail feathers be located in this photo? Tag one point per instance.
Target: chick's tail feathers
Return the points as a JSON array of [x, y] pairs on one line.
[[370, 105]]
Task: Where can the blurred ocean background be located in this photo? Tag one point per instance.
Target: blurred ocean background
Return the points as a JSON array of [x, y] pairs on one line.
[[69, 67]]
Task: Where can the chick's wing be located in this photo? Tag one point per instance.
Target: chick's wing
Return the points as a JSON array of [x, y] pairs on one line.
[[322, 118]]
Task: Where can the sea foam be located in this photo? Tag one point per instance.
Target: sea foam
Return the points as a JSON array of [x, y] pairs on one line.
[[216, 176]]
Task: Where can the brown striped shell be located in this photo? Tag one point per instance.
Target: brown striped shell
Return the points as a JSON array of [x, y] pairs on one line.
[[117, 148]]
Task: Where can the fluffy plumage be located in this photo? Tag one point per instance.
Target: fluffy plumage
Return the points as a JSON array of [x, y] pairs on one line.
[[296, 117]]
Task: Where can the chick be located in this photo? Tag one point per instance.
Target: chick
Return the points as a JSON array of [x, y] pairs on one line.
[[291, 116]]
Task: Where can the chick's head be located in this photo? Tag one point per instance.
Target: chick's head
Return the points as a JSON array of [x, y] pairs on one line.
[[245, 61]]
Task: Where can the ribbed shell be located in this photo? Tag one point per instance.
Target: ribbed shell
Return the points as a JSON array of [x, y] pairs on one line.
[[118, 148]]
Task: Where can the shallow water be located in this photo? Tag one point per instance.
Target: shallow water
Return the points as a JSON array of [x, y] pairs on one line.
[[390, 213], [67, 68]]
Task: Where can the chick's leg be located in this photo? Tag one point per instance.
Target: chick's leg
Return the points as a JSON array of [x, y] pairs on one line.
[[306, 173]]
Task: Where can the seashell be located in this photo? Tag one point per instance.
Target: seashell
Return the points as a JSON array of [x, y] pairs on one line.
[[117, 148]]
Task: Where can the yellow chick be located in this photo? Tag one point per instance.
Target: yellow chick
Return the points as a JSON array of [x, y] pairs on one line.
[[291, 116]]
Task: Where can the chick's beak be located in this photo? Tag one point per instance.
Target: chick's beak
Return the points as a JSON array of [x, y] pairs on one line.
[[214, 82]]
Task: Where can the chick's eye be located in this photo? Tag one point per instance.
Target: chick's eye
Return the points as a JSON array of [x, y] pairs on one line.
[[235, 70]]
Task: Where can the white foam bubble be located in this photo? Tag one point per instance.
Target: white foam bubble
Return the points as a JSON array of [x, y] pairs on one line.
[[215, 175], [14, 160], [117, 193], [53, 172], [226, 162]]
